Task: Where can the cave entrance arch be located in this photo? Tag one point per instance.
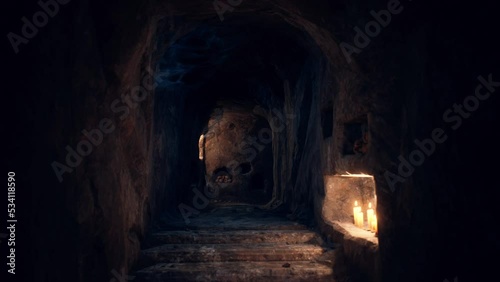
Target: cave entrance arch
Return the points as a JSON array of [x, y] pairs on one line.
[[273, 64]]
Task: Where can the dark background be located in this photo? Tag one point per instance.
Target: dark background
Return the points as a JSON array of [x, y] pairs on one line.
[[463, 43]]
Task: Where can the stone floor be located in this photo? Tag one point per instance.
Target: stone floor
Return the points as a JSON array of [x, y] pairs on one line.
[[235, 243]]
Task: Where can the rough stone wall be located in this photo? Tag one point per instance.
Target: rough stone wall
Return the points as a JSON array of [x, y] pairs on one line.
[[237, 148], [306, 177], [92, 222], [168, 148], [405, 86]]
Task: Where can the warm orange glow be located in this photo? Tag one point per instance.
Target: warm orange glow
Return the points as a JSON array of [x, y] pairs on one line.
[[356, 211], [374, 224], [361, 220], [201, 147], [370, 215]]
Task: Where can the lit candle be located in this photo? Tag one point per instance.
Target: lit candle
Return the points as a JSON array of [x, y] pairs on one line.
[[369, 215], [361, 221], [374, 226], [355, 212]]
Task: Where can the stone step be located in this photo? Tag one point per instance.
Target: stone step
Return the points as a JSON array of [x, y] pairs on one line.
[[229, 252], [235, 237], [228, 225], [231, 218], [237, 271]]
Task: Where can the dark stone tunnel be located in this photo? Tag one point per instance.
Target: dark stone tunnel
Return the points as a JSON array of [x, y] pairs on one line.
[[130, 121]]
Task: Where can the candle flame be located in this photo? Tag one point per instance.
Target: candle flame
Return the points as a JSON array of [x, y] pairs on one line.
[[370, 205], [355, 203]]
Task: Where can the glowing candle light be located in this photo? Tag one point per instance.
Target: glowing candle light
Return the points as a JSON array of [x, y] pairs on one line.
[[356, 210], [369, 215], [361, 221], [374, 226]]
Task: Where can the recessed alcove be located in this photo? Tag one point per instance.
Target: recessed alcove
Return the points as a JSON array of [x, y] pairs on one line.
[[346, 192], [357, 245], [356, 138]]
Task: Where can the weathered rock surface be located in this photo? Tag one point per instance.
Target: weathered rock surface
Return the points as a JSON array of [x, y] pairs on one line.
[[341, 193], [237, 271], [240, 250], [238, 155], [236, 236]]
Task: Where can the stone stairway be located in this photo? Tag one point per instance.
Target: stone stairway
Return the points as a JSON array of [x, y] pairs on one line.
[[235, 244]]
